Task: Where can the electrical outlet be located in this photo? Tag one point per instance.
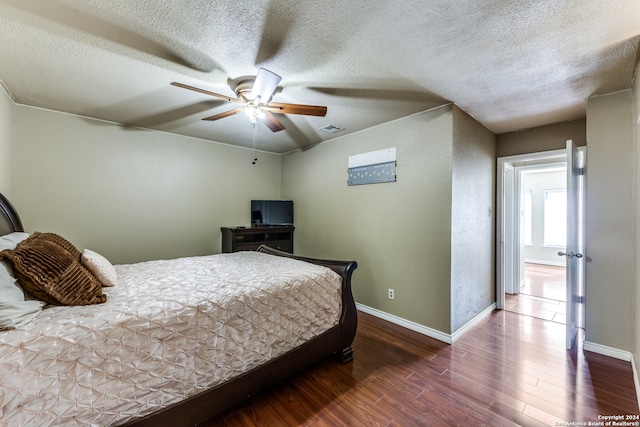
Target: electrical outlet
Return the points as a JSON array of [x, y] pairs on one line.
[[392, 294]]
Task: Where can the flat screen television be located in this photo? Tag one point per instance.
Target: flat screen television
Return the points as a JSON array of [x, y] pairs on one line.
[[271, 212]]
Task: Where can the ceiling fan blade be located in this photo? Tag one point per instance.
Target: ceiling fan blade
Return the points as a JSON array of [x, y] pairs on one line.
[[265, 85], [225, 114], [271, 122], [206, 92], [307, 110]]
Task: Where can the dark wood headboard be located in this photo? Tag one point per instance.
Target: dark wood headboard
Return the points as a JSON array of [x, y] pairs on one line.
[[9, 219]]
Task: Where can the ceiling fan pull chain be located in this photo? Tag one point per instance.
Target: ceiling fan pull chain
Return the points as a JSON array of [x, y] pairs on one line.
[[255, 133]]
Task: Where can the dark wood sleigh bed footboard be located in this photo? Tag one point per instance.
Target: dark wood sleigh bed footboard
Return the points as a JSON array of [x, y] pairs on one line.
[[336, 341]]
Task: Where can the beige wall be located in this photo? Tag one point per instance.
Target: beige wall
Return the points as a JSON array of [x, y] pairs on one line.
[[129, 193], [610, 249], [543, 138], [7, 109], [408, 235], [472, 219]]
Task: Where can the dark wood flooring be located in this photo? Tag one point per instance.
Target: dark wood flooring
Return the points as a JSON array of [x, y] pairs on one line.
[[509, 370]]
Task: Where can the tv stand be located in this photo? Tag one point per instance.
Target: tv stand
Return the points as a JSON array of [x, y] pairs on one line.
[[236, 239]]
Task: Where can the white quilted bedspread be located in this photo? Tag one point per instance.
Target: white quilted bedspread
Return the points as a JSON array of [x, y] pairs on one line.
[[169, 330]]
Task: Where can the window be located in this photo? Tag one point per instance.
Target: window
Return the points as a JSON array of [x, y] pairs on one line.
[[555, 217]]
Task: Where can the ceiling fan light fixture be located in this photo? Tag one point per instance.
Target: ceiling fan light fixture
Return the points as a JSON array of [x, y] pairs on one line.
[[264, 86], [254, 112]]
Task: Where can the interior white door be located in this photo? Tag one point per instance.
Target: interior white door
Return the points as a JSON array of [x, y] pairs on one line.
[[574, 251]]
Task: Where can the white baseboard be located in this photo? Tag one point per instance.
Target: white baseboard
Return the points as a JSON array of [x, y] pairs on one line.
[[424, 330], [608, 351], [544, 262], [473, 322], [627, 356]]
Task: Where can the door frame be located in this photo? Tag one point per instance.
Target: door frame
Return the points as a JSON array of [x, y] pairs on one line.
[[508, 231]]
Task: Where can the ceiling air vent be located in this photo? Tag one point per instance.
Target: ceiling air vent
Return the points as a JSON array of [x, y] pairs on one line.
[[331, 128]]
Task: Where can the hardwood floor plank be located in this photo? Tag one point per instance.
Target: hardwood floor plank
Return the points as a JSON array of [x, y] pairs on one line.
[[294, 408], [543, 294], [509, 370], [544, 417], [409, 407], [252, 416], [510, 392], [514, 383], [518, 417], [471, 408]]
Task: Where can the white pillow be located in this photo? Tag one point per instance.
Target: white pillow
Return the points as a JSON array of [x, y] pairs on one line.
[[100, 267], [14, 310], [11, 240]]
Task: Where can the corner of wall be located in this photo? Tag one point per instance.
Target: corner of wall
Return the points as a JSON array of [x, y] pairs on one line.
[[472, 220], [636, 141], [7, 138]]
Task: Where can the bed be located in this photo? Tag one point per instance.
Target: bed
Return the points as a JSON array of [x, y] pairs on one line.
[[181, 371]]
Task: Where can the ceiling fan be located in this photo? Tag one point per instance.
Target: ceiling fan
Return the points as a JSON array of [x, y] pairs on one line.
[[254, 95]]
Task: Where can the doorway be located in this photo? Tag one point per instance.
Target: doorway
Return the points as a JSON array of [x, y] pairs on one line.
[[517, 279], [541, 291]]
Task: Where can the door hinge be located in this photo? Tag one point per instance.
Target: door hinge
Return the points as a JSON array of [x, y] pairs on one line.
[[581, 300], [580, 171]]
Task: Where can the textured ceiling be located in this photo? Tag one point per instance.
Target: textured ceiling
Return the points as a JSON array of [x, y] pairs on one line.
[[509, 64]]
